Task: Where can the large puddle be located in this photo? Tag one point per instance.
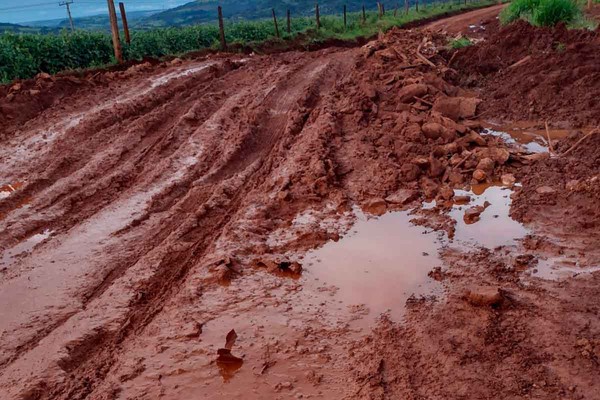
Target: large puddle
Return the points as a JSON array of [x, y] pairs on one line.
[[381, 263], [385, 261]]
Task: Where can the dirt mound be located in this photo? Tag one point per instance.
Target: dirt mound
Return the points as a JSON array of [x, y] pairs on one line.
[[562, 192], [529, 73]]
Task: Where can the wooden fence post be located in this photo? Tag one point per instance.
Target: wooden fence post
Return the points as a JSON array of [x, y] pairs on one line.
[[344, 17], [417, 5], [289, 22], [222, 29], [125, 24], [364, 16], [382, 9], [318, 17], [379, 9], [114, 28], [406, 6], [396, 10], [275, 22], [589, 6]]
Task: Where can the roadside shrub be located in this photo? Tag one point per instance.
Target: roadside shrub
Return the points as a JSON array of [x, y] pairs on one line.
[[541, 12], [551, 12]]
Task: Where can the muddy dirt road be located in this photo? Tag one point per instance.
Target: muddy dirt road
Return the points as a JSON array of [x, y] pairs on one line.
[[328, 224]]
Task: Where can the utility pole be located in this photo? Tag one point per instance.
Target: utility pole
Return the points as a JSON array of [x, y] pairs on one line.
[[114, 28], [68, 3]]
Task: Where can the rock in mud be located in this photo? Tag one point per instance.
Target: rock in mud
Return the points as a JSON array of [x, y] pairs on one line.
[[508, 179], [457, 108], [484, 297], [487, 165], [402, 196], [473, 138], [473, 214], [408, 93], [479, 175], [545, 190], [376, 206], [433, 130]]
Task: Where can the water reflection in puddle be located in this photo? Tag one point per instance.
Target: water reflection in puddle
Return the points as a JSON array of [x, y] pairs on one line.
[[380, 264], [494, 227], [26, 246]]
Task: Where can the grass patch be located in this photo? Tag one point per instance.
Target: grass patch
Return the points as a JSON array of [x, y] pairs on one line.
[[459, 43], [23, 56], [544, 12]]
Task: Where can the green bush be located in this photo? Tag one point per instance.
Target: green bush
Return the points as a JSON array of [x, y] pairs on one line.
[[551, 12], [541, 12]]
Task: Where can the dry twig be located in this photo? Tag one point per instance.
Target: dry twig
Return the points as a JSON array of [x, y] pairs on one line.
[[597, 130], [550, 146], [422, 57]]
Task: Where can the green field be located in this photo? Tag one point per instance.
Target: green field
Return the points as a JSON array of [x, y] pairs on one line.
[[23, 56]]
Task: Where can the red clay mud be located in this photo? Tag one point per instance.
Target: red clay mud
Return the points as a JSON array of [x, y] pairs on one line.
[[182, 205], [527, 73]]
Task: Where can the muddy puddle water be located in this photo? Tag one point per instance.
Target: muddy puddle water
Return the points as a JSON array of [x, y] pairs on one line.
[[493, 227], [380, 264]]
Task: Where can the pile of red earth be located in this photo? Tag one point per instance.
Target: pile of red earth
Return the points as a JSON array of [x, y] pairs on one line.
[[563, 191], [530, 73]]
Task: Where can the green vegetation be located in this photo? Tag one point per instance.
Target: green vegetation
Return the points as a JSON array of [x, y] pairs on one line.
[[25, 55], [543, 12], [460, 42]]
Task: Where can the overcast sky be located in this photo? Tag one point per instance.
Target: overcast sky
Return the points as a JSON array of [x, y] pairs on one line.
[[34, 10]]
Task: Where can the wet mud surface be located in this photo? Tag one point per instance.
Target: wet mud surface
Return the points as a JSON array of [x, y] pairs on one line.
[[341, 223]]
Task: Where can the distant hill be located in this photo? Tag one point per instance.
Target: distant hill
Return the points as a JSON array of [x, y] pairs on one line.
[[206, 10], [95, 22], [5, 27]]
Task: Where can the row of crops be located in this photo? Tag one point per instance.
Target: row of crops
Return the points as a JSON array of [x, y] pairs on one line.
[[25, 55]]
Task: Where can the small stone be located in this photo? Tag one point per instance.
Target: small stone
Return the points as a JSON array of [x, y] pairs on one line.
[[34, 92], [472, 214], [479, 175], [375, 206], [545, 190], [463, 199], [433, 130], [484, 297], [487, 165], [508, 179], [402, 196]]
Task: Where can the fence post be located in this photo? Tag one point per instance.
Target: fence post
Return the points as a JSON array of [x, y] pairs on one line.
[[417, 5], [289, 22], [317, 16], [125, 24], [344, 17], [275, 22], [382, 9], [396, 10], [364, 14], [589, 6], [114, 28], [406, 6], [222, 29]]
